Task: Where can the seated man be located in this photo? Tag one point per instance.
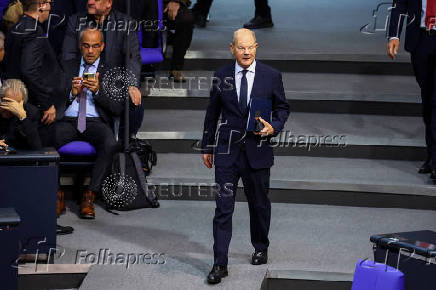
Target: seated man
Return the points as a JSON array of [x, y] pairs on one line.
[[112, 23], [19, 119], [89, 113]]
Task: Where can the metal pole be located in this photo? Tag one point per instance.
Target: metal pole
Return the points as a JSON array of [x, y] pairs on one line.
[[126, 109]]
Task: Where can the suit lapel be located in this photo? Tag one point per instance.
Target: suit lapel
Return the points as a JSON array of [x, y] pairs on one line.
[[234, 96], [256, 81]]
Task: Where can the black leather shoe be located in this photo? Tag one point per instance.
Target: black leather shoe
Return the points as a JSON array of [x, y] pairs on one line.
[[259, 258], [216, 274], [425, 168], [61, 230], [259, 22]]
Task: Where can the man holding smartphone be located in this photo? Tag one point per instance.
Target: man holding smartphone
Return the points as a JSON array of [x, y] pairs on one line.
[[89, 113]]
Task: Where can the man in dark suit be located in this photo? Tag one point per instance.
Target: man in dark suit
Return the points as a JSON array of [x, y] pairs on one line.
[[100, 14], [239, 153], [421, 44], [262, 15], [30, 57], [61, 12], [89, 113]]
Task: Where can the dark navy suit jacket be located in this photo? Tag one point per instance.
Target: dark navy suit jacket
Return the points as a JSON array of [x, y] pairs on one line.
[[413, 10], [225, 139]]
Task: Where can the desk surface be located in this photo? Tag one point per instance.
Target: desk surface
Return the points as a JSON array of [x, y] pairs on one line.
[[29, 156]]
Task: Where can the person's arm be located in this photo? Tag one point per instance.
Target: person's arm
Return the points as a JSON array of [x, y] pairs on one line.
[[398, 14], [32, 59], [24, 126], [280, 106], [28, 128], [185, 3], [116, 108], [211, 120]]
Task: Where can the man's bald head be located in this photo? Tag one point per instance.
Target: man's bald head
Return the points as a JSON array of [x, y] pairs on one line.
[[91, 44], [243, 33], [244, 47]]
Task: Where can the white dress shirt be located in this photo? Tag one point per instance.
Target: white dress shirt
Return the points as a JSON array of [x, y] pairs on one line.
[[250, 79]]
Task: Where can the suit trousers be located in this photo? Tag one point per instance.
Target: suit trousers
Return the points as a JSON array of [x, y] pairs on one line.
[[202, 7], [424, 65], [262, 8], [256, 186], [99, 135], [183, 27]]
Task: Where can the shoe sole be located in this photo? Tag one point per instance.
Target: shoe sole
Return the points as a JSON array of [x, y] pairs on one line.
[[263, 263], [216, 282], [87, 217], [259, 27]]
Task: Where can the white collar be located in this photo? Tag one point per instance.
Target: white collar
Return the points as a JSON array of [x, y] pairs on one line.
[[251, 68]]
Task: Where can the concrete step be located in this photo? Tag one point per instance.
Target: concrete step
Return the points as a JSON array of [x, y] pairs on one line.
[[343, 39], [33, 276], [306, 92], [318, 180], [302, 280], [305, 134]]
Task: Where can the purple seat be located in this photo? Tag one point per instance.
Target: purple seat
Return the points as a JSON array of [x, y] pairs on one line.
[[155, 54], [3, 5], [77, 148], [151, 55]]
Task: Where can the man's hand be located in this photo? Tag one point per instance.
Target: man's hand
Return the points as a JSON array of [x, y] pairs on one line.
[[92, 84], [135, 95], [392, 47], [14, 107], [172, 9], [76, 86], [208, 160], [3, 144], [267, 130], [49, 116]]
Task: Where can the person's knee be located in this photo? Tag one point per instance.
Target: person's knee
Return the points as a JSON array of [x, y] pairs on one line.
[[185, 18]]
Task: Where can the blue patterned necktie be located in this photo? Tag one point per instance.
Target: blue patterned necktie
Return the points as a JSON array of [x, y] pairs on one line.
[[81, 119], [243, 92]]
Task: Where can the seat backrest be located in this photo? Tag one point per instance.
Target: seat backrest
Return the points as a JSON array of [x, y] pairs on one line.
[[4, 4]]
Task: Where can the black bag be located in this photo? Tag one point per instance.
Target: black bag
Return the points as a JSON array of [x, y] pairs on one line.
[[145, 153], [126, 188]]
